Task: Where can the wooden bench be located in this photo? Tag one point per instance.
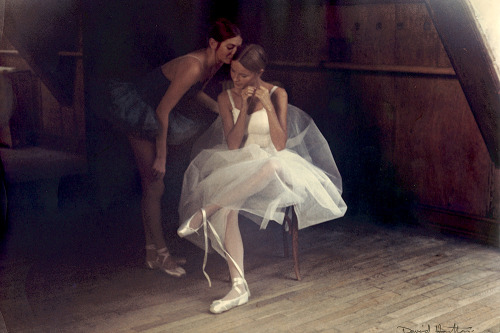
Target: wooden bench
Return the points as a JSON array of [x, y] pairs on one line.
[[43, 166], [26, 155]]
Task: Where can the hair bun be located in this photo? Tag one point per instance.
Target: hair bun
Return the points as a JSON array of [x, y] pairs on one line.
[[223, 29]]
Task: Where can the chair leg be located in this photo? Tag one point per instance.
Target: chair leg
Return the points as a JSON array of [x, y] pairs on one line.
[[286, 223], [293, 230], [295, 244]]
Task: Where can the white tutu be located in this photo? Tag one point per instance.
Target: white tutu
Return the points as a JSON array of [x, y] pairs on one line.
[[261, 182]]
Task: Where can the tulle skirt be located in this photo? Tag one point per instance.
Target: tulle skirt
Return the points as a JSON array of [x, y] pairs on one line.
[[133, 108], [261, 182]]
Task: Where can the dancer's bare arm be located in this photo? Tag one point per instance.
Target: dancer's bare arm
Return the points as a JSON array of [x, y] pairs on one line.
[[276, 107], [234, 131], [188, 73]]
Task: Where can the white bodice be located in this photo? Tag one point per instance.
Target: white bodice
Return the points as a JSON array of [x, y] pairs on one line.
[[257, 131]]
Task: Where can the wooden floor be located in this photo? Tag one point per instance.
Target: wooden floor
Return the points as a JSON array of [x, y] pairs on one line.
[[78, 270]]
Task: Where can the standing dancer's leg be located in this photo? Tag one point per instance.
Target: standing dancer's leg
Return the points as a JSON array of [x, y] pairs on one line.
[[157, 254]]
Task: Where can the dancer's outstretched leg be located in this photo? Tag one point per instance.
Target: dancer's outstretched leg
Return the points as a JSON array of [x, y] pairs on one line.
[[239, 293], [253, 184]]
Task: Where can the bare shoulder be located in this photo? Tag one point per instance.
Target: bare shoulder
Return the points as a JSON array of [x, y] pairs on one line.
[[223, 100], [223, 96], [190, 66], [280, 94], [185, 67]]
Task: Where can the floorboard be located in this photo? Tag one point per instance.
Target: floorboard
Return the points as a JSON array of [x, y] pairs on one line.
[[81, 270]]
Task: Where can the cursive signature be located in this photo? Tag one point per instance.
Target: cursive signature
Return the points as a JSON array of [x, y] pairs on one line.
[[409, 330], [453, 329], [438, 329]]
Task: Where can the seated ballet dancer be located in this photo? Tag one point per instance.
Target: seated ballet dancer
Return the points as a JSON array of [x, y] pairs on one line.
[[155, 112], [271, 156]]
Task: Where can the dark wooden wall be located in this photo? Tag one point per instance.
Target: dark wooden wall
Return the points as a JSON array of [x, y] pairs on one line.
[[41, 42], [379, 82], [375, 76]]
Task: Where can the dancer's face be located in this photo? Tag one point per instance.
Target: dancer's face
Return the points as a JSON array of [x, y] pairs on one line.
[[242, 77], [226, 49]]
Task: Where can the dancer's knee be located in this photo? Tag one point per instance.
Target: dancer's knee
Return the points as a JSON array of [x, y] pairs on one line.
[[153, 189], [232, 218], [272, 166]]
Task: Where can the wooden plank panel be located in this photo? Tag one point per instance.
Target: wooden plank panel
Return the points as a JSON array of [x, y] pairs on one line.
[[367, 31], [283, 25], [439, 151], [376, 95], [473, 65], [417, 42]]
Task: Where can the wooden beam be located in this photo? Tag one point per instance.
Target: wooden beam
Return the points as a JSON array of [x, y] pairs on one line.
[[462, 40], [397, 69], [370, 2], [32, 60], [13, 53], [38, 46]]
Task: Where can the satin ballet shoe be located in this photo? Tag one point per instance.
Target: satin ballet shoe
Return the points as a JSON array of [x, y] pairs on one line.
[[150, 263], [185, 230], [179, 260], [163, 263], [241, 287]]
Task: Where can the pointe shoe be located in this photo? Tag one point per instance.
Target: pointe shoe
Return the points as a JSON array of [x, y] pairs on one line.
[[185, 230], [169, 266], [220, 305], [150, 263]]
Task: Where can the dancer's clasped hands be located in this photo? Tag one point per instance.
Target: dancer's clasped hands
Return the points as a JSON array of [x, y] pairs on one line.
[[247, 93], [261, 93]]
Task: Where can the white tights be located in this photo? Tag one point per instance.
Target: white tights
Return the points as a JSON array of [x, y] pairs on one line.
[[255, 184], [232, 238], [234, 246]]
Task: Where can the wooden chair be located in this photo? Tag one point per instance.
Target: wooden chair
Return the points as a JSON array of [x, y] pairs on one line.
[[291, 227]]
